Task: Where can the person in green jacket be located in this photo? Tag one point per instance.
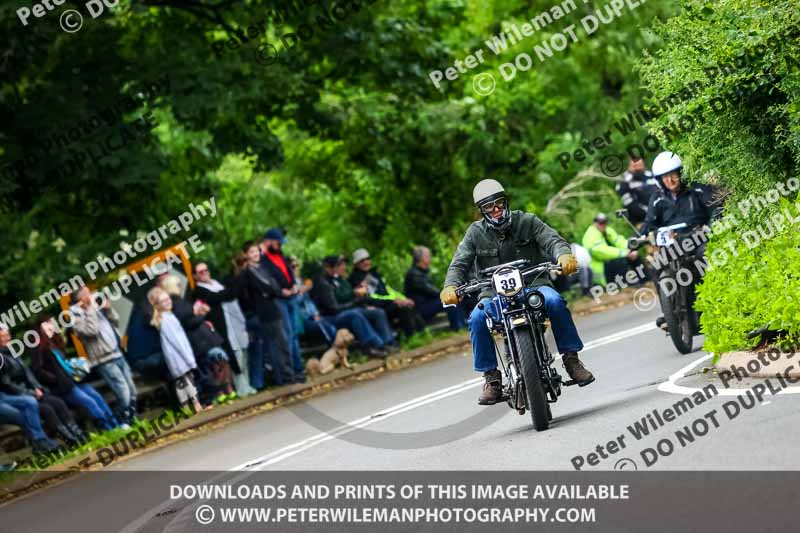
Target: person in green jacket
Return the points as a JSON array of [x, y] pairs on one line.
[[605, 245]]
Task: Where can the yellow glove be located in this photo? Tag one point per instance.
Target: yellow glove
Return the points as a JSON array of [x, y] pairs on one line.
[[568, 264], [448, 296]]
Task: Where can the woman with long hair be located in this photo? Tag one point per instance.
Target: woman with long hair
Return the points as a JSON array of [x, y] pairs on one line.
[[50, 366]]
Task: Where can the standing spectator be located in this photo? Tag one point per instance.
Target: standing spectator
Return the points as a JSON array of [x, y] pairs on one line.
[[259, 298], [215, 371], [609, 251], [419, 287], [178, 354], [394, 303], [144, 344], [344, 315], [17, 380], [310, 321], [50, 367], [94, 327], [228, 319], [276, 264], [636, 189]]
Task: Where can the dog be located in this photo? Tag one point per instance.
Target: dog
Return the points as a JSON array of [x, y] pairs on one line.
[[335, 355]]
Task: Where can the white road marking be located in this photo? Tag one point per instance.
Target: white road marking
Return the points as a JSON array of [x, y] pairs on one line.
[[673, 388], [305, 444]]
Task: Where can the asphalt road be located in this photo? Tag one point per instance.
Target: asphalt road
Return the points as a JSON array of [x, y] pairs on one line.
[[427, 418]]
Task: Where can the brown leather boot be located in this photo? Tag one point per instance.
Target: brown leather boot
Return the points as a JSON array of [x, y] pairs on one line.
[[493, 388], [576, 370]]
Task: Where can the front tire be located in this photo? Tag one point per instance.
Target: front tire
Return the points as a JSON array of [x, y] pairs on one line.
[[532, 379], [679, 327]]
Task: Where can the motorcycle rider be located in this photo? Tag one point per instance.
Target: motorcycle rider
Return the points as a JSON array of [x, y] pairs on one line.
[[636, 189], [677, 202], [500, 237]]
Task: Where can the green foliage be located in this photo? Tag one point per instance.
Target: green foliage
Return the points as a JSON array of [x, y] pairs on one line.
[[747, 143]]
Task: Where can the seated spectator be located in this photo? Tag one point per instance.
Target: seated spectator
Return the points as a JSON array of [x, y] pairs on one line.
[[228, 319], [258, 296], [345, 315], [309, 320], [214, 367], [23, 412], [178, 354], [609, 251], [144, 344], [394, 303], [49, 363], [276, 265], [95, 326], [17, 380], [419, 287]]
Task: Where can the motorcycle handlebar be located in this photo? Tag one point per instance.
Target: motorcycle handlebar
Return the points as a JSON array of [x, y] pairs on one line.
[[478, 285]]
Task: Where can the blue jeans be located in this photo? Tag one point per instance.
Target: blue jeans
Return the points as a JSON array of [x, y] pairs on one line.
[[85, 396], [287, 313], [380, 322], [23, 411], [433, 307], [564, 331], [359, 326], [322, 327], [117, 374]]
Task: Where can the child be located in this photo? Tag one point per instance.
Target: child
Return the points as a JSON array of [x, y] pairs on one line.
[[175, 345]]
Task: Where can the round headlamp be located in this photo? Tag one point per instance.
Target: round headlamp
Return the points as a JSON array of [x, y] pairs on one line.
[[535, 300]]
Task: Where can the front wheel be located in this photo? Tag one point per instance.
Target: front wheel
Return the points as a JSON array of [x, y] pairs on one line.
[[678, 324], [532, 379]]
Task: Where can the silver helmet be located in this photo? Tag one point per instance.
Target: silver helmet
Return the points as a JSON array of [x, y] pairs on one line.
[[488, 193]]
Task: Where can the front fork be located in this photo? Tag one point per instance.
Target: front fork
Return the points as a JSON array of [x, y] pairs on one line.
[[514, 392]]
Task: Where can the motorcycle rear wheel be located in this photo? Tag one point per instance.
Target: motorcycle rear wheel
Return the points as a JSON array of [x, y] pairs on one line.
[[532, 379]]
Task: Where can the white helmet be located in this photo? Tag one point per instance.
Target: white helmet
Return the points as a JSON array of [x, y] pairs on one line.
[[487, 190], [666, 162]]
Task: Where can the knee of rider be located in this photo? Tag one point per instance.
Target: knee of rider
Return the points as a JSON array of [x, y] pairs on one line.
[[478, 316]]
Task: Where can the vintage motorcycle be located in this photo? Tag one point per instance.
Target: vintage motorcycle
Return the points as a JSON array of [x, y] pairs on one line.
[[518, 314]]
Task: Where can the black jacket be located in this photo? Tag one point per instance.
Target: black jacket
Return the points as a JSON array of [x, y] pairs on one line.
[[49, 372], [258, 291], [324, 295], [635, 192], [15, 377], [357, 276], [418, 286], [217, 315], [201, 337], [693, 205], [277, 274]]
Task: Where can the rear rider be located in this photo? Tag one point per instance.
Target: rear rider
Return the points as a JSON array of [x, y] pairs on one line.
[[501, 237]]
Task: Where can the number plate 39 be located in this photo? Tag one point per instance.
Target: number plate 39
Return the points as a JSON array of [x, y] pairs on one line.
[[507, 282]]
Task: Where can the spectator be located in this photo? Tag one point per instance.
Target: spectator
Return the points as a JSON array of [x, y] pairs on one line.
[[636, 189], [309, 320], [92, 322], [276, 264], [228, 319], [23, 411], [419, 287], [380, 295], [259, 298], [144, 344], [344, 315], [17, 380], [50, 367], [215, 371], [609, 250], [178, 354]]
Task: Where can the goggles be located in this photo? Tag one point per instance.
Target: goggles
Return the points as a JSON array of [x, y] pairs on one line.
[[488, 207]]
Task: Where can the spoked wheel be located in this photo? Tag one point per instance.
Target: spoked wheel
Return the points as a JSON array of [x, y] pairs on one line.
[[679, 324], [532, 380]]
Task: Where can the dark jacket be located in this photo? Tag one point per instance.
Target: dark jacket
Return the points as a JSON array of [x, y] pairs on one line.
[[635, 192], [257, 291], [277, 274], [694, 206], [217, 315], [357, 276], [15, 377], [482, 246], [143, 338], [49, 372], [201, 337], [330, 294], [419, 287]]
